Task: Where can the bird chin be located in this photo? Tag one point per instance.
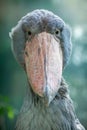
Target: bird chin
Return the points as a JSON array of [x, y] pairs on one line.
[[43, 61]]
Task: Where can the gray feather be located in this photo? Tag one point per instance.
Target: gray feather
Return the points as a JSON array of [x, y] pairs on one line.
[[18, 42], [34, 114], [59, 115], [36, 21]]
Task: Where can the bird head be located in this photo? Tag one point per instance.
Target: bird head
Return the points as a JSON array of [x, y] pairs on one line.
[[41, 43]]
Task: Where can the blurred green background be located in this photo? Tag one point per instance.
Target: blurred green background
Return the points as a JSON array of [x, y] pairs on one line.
[[12, 77]]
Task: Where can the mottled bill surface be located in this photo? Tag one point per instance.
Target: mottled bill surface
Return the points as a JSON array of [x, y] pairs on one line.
[[44, 60]]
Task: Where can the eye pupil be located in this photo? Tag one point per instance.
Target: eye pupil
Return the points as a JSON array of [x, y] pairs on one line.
[[57, 32], [29, 33]]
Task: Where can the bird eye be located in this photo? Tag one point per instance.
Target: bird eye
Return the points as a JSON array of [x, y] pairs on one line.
[[29, 33], [57, 32]]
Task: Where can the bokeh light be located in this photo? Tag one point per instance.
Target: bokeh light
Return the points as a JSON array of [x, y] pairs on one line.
[[78, 32]]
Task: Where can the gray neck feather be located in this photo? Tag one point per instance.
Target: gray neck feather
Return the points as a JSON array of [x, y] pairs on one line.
[[59, 115]]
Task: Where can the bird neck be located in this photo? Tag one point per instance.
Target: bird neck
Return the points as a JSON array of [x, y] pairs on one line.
[[32, 99]]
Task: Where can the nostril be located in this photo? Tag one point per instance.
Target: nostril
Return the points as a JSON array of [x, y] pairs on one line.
[[26, 53]]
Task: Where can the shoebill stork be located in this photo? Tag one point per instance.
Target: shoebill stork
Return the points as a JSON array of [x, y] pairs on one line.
[[41, 43]]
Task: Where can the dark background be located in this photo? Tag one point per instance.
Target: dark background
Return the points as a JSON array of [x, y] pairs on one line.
[[12, 77]]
